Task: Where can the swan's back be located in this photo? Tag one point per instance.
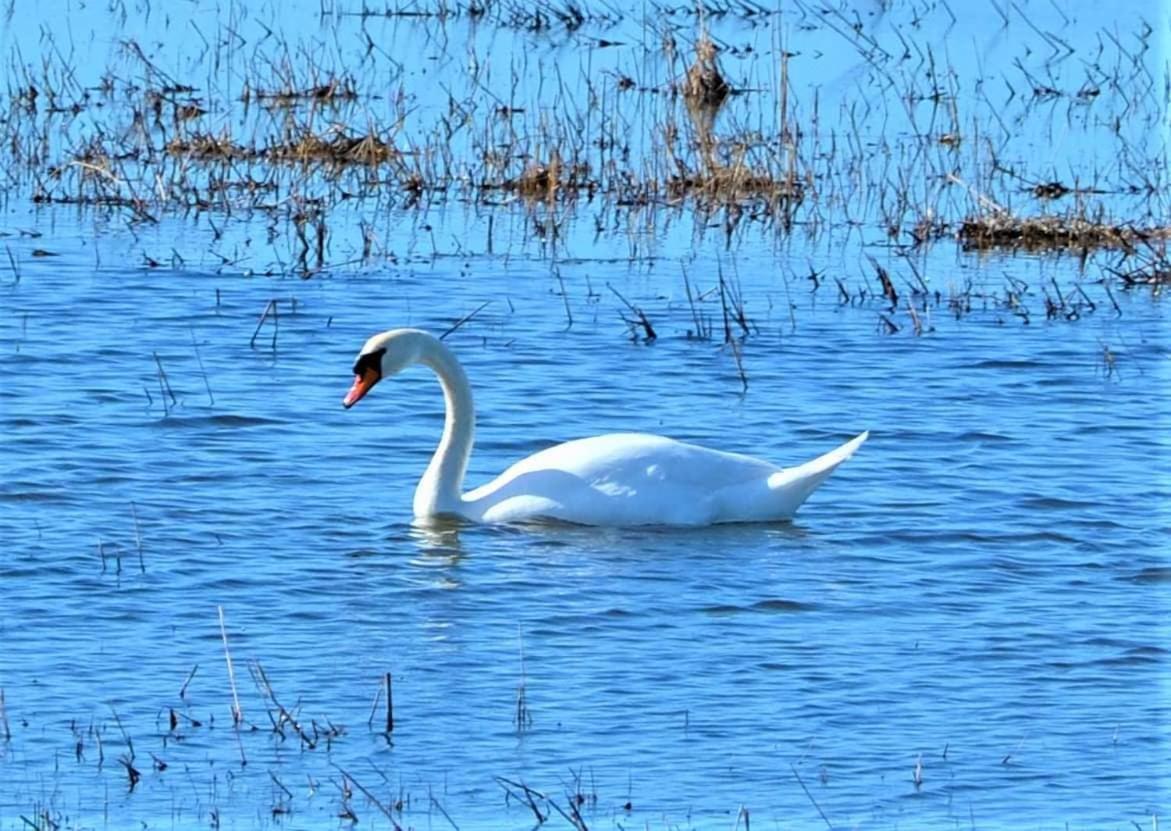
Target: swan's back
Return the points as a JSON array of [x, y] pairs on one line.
[[641, 479]]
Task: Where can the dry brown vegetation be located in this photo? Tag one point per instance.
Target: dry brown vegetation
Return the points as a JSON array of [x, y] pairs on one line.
[[1054, 233], [697, 123]]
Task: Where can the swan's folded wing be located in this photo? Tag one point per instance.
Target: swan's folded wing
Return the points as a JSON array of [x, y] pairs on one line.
[[616, 479]]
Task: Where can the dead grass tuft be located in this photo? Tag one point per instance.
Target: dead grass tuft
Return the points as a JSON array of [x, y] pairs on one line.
[[338, 149], [1052, 233]]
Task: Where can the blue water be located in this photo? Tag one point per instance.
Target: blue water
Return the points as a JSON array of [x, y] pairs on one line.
[[981, 594]]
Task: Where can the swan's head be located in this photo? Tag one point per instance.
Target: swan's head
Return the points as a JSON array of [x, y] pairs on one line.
[[382, 356]]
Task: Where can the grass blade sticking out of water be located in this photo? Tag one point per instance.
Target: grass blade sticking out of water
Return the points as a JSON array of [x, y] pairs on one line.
[[237, 713], [377, 802], [523, 718], [165, 390], [389, 705], [4, 718], [528, 794], [138, 537], [820, 812], [642, 320], [270, 308], [202, 370]]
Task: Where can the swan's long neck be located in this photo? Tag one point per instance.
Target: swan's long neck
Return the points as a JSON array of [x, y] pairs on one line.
[[439, 491]]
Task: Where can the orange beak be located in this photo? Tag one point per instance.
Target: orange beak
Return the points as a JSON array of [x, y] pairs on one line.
[[363, 383]]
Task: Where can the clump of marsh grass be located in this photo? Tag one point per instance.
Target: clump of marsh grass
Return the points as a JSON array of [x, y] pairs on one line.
[[333, 90], [1053, 233], [546, 180], [339, 148]]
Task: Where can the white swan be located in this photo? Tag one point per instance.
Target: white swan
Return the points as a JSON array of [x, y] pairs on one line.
[[619, 479]]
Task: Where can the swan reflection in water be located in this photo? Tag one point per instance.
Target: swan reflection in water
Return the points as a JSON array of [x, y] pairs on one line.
[[436, 540], [446, 542]]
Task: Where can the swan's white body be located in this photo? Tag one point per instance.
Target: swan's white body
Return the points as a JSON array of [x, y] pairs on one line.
[[640, 479], [620, 479]]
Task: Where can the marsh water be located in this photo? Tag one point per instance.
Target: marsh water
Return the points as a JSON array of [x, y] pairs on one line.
[[966, 626]]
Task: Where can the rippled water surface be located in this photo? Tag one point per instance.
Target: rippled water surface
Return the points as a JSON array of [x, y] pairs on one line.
[[966, 626], [982, 590]]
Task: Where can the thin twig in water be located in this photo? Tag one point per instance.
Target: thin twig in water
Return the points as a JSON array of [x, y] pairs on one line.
[[97, 734], [443, 811], [643, 320], [845, 295], [820, 812], [4, 717], [523, 717], [465, 318], [377, 802], [202, 371], [1009, 756], [565, 298], [575, 820], [284, 716], [702, 332], [187, 681], [138, 537], [374, 706], [15, 267], [724, 307], [164, 386], [237, 713], [280, 785], [1114, 302], [735, 345], [270, 306], [389, 705], [125, 735], [528, 795], [132, 773]]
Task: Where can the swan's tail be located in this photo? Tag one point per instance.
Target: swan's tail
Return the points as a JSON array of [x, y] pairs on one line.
[[794, 484]]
